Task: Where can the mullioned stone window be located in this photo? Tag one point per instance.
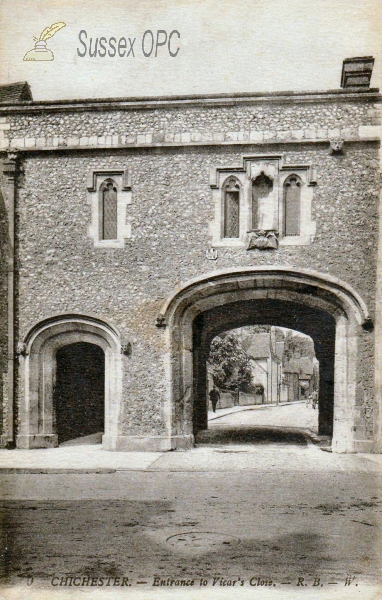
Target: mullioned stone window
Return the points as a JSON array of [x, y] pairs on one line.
[[263, 204], [109, 194]]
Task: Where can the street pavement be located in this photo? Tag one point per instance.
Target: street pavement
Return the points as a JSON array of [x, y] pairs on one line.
[[295, 414], [278, 508]]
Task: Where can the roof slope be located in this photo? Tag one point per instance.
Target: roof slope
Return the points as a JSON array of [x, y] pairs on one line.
[[15, 92], [257, 346], [302, 366]]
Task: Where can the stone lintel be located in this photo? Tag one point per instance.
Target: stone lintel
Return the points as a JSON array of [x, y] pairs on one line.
[[180, 144]]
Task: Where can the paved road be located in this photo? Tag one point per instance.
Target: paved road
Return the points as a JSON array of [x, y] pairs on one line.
[[277, 511], [283, 415]]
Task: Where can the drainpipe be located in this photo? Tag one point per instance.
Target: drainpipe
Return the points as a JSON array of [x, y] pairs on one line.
[[10, 173]]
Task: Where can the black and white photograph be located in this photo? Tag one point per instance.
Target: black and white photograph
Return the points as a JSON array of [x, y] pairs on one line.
[[190, 299]]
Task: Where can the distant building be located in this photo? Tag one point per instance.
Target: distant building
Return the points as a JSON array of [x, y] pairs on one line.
[[298, 377], [275, 378], [266, 366]]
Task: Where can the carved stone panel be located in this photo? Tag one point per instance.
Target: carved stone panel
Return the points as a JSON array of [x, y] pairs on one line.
[[262, 239]]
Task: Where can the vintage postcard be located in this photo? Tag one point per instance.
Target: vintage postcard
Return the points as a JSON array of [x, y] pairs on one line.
[[190, 299]]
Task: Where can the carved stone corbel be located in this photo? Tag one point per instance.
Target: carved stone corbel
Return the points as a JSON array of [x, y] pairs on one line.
[[336, 146], [126, 348], [368, 324], [21, 349], [263, 239], [161, 321], [10, 165]]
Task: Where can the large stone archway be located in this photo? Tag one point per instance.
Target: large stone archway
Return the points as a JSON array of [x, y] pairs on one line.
[[38, 370], [217, 302]]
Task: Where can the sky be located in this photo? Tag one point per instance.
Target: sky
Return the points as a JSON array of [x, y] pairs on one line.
[[224, 46]]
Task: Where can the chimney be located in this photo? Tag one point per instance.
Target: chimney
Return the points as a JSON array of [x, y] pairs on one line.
[[356, 72]]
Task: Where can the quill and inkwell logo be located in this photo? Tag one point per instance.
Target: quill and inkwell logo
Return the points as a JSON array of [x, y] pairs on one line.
[[40, 51]]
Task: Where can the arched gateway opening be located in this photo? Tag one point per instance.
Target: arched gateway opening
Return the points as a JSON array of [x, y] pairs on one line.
[[318, 324], [326, 309], [261, 378]]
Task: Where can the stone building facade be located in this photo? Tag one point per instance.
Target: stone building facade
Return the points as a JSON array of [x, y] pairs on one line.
[[266, 366], [228, 211]]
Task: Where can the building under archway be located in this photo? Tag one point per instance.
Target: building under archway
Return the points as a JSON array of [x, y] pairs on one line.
[[263, 375]]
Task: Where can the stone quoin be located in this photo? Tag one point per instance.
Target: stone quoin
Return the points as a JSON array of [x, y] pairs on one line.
[[141, 228]]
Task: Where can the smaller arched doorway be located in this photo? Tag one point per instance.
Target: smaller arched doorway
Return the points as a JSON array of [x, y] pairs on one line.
[[79, 392], [72, 382]]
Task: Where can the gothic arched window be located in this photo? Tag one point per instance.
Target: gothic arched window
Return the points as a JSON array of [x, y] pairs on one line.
[[292, 205], [231, 199], [109, 210], [261, 188]]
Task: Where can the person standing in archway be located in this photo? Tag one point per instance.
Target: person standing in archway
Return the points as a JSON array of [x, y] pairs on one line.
[[214, 397]]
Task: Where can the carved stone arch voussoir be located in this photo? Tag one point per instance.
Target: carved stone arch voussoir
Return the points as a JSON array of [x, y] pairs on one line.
[[313, 290]]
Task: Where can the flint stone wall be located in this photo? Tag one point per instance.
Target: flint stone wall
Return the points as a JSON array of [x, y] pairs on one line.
[[60, 270], [256, 120]]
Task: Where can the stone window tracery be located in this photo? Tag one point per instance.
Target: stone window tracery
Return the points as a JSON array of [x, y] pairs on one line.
[[263, 204], [109, 194], [231, 199], [108, 212], [292, 205]]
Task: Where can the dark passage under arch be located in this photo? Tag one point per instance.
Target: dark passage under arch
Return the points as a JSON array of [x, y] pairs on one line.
[[316, 323], [79, 392]]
